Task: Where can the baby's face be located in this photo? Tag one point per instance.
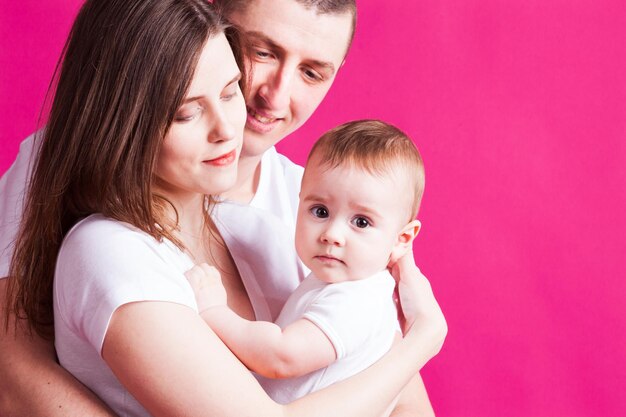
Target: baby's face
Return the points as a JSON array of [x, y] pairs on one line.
[[349, 220]]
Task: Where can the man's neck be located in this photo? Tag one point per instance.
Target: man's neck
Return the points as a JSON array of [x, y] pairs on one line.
[[248, 175]]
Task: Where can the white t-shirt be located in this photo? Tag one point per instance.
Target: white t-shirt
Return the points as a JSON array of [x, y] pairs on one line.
[[260, 236], [104, 264], [12, 189], [358, 317]]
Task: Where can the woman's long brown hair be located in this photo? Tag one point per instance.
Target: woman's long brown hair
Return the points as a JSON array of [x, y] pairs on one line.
[[125, 70]]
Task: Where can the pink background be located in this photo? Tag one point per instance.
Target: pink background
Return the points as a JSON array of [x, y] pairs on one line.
[[519, 109]]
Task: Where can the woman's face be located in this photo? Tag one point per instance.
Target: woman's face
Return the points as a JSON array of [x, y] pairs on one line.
[[200, 151]]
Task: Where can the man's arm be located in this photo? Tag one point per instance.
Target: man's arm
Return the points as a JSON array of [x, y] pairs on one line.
[[32, 383], [413, 400]]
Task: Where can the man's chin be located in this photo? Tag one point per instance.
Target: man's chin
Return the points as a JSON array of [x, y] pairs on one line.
[[256, 144]]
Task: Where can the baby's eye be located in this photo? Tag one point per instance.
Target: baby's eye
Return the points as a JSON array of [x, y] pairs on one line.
[[319, 211], [361, 222]]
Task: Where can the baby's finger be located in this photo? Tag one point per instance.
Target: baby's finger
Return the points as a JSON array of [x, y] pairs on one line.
[[210, 272]]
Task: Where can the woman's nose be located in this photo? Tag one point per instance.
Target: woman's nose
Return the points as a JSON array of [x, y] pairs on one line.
[[222, 129]]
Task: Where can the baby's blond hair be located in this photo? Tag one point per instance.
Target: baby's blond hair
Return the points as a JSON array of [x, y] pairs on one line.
[[376, 147]]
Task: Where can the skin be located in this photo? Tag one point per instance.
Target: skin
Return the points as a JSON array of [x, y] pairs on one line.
[[178, 340], [57, 392], [28, 371], [350, 224], [288, 42], [294, 56], [174, 331], [199, 157], [199, 153]]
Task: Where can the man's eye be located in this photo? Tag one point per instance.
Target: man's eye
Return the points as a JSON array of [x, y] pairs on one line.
[[312, 75], [361, 222], [320, 212], [261, 54]]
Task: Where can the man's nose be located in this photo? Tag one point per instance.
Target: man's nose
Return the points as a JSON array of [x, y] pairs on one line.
[[276, 91]]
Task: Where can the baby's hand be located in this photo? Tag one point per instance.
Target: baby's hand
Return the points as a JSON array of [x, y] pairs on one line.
[[207, 285]]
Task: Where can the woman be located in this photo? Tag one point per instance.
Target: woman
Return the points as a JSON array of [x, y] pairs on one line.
[[145, 126]]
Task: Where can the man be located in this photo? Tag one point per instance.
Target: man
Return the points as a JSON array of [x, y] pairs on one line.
[[294, 49]]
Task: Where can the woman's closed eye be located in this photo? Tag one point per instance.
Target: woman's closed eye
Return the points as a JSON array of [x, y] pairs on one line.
[[230, 92], [188, 114]]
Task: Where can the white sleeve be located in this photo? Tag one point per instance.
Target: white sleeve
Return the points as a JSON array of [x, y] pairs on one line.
[[349, 314], [13, 186], [103, 265]]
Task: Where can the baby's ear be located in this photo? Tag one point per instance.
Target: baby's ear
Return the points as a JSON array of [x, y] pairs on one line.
[[404, 242]]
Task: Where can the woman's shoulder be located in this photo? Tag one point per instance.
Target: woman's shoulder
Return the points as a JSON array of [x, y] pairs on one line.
[[100, 236], [98, 230], [102, 248]]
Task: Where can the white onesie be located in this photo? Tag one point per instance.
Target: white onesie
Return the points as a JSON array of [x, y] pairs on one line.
[[358, 317]]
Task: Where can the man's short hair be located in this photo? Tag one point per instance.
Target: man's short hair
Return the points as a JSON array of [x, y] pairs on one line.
[[227, 7]]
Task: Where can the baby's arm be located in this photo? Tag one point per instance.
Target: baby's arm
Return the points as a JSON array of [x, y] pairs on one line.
[[262, 346], [267, 349]]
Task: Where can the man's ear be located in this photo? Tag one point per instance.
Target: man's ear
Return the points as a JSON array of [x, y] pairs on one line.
[[404, 242]]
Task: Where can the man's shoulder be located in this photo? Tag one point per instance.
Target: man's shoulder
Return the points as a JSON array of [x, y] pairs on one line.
[[279, 161]]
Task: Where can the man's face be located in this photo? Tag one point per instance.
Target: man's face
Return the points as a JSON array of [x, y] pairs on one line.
[[293, 56]]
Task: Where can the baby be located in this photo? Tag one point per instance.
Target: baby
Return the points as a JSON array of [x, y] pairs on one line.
[[360, 195]]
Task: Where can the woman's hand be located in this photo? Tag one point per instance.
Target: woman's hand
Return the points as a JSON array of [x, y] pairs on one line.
[[206, 283], [420, 312]]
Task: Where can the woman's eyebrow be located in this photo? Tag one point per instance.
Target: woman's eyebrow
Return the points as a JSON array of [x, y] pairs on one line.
[[235, 79]]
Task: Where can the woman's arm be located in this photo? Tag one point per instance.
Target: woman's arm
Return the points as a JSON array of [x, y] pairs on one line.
[[167, 358], [31, 381]]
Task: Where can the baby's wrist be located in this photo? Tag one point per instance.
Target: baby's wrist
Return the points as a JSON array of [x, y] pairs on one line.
[[209, 309]]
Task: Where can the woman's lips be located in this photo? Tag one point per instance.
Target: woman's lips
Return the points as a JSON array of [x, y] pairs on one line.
[[223, 160]]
